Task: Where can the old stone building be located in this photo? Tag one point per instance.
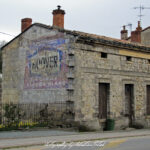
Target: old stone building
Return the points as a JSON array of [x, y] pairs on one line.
[[100, 77]]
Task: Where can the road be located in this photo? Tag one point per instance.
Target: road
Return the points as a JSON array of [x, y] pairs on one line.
[[132, 143], [136, 143]]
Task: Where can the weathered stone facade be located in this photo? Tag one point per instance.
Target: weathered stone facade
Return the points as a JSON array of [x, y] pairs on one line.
[[145, 37], [117, 71], [45, 64], [31, 57]]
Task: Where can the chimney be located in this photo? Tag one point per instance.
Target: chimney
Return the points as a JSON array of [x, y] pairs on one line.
[[25, 23], [58, 17], [124, 33], [136, 35]]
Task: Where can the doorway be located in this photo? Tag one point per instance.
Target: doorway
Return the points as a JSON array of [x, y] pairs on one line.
[[148, 100], [129, 102], [103, 99]]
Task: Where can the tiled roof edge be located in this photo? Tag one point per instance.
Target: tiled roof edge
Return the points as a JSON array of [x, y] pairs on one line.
[[86, 37]]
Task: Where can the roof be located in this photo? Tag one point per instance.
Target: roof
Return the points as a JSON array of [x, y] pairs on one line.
[[146, 28], [92, 38]]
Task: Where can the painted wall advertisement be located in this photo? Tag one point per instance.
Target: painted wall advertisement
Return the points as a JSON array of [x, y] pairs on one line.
[[46, 64]]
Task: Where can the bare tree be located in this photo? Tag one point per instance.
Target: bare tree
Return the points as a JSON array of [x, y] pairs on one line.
[[2, 43]]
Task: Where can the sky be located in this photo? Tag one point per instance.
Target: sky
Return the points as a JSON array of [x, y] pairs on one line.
[[102, 17]]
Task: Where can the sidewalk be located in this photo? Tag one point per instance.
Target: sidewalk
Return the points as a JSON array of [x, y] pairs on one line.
[[31, 141]]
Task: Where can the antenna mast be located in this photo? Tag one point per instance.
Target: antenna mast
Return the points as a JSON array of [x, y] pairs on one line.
[[130, 26], [140, 13]]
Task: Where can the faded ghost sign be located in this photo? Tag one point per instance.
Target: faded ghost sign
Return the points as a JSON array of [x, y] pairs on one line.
[[46, 64]]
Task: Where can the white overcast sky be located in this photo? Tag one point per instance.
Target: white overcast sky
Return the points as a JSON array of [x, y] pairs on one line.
[[102, 17]]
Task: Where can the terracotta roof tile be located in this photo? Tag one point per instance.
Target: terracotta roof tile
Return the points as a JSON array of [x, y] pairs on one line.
[[93, 35], [107, 38], [102, 39]]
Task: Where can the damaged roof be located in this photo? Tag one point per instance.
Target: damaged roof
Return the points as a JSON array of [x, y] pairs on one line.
[[93, 39]]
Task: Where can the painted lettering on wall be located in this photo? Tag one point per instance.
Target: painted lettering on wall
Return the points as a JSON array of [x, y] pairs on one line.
[[46, 65], [47, 62]]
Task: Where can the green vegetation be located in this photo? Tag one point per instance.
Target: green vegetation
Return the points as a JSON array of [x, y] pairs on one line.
[[13, 119]]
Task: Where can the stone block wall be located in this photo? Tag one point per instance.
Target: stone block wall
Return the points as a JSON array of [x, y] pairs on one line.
[[145, 37], [116, 70], [47, 66], [38, 67], [35, 67]]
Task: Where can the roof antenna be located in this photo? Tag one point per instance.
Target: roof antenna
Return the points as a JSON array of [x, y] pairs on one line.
[[141, 8], [130, 26]]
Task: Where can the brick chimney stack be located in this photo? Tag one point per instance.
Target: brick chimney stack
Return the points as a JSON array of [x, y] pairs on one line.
[[136, 35], [25, 23], [124, 33], [58, 17]]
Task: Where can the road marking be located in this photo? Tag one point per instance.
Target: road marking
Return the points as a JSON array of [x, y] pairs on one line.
[[113, 144]]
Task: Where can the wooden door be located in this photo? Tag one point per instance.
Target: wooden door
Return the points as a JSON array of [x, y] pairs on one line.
[[148, 100], [103, 100], [129, 102]]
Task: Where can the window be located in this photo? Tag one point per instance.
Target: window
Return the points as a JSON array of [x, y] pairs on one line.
[[103, 55], [128, 58], [148, 61]]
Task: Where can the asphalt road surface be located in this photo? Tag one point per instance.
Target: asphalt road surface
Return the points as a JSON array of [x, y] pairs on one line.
[[138, 143], [134, 143]]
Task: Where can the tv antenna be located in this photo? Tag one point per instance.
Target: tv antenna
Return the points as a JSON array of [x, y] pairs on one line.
[[130, 26], [141, 8]]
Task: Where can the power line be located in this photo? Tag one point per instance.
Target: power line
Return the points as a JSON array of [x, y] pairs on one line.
[[7, 34], [13, 35]]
